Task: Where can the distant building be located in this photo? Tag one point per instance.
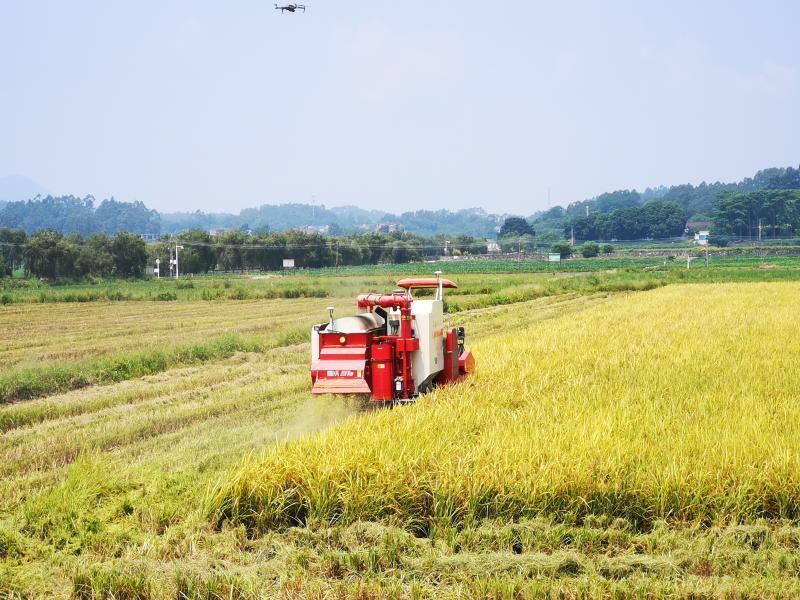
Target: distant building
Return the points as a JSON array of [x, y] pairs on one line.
[[218, 231], [388, 228], [701, 237], [492, 247]]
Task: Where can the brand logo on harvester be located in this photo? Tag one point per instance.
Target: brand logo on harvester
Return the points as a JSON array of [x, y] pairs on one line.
[[341, 373]]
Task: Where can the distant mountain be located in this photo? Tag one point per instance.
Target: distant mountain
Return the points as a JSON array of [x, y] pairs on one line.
[[339, 220], [16, 187], [83, 215]]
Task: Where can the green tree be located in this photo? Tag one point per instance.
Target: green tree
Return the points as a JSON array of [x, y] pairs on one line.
[[113, 216], [95, 257], [48, 254], [590, 250], [517, 227], [655, 219], [663, 219], [563, 248], [231, 256], [773, 212], [198, 254], [349, 252], [611, 201], [12, 243], [129, 253]]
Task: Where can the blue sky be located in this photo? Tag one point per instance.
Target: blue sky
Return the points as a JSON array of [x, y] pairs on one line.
[[218, 106]]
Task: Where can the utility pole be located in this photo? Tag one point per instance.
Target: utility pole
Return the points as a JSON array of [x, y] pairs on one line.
[[759, 229], [706, 255], [519, 250], [587, 210], [337, 254], [177, 270], [572, 236]]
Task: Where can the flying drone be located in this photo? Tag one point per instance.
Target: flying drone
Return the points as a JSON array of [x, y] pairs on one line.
[[291, 8]]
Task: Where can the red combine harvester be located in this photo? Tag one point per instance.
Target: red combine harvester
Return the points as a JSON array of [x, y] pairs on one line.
[[394, 349]]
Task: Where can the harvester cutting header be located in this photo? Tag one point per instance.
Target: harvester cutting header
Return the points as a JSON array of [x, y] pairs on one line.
[[394, 349]]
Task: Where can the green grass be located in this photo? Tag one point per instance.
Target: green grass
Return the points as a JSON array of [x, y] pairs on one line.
[[198, 288]]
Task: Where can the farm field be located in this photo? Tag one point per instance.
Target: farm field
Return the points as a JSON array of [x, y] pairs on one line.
[[46, 349], [328, 282], [624, 435]]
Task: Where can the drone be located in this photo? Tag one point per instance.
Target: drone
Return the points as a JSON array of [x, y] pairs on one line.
[[291, 8]]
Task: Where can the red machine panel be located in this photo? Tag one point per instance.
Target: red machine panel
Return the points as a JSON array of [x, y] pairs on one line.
[[450, 372], [383, 372], [342, 364]]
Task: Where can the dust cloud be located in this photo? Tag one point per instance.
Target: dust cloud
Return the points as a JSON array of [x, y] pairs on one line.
[[317, 413]]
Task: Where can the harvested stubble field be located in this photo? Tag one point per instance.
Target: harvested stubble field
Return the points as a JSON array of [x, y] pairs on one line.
[[613, 443]]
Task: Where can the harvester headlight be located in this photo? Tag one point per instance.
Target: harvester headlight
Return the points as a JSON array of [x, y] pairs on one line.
[[342, 340]]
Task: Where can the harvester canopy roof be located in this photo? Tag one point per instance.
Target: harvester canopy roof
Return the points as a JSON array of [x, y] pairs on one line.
[[413, 283]]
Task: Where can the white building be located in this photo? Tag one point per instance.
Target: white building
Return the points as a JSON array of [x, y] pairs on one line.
[[701, 238]]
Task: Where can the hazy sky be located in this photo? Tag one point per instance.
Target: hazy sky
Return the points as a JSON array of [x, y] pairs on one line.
[[211, 105]]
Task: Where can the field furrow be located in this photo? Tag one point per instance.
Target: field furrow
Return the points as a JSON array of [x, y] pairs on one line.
[[45, 333], [57, 442]]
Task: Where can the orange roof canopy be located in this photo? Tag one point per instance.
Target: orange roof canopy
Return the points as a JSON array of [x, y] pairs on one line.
[[413, 283]]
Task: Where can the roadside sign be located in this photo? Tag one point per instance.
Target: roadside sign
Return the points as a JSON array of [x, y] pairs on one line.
[[554, 257], [288, 263]]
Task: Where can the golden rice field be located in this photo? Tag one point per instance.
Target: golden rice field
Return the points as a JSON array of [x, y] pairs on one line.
[[677, 404], [612, 444]]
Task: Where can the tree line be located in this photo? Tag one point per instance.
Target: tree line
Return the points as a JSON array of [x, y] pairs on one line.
[[83, 216], [337, 221], [52, 255], [654, 220], [241, 251], [768, 212], [699, 202], [765, 213], [86, 216]]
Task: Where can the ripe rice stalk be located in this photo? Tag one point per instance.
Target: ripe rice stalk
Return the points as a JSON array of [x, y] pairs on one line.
[[680, 404]]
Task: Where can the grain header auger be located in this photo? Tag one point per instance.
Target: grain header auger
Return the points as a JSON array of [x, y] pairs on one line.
[[394, 349]]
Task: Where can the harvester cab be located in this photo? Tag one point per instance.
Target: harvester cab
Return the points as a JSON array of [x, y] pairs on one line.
[[395, 348]]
